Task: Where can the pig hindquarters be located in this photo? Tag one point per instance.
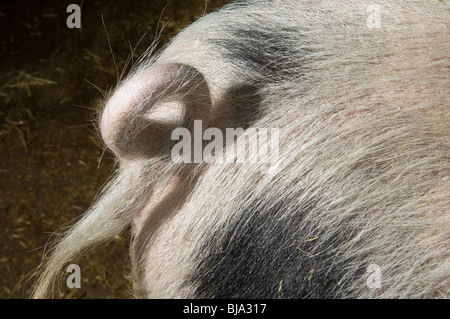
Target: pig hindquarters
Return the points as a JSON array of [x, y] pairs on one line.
[[356, 205]]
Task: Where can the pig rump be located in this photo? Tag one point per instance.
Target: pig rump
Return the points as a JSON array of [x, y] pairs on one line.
[[362, 182], [143, 143]]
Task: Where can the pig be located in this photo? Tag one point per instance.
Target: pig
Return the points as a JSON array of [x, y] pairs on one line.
[[356, 203]]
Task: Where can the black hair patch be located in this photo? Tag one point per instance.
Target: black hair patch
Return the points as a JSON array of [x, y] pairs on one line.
[[264, 256], [262, 54]]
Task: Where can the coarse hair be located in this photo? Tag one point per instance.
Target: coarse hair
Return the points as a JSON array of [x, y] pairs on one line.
[[363, 176]]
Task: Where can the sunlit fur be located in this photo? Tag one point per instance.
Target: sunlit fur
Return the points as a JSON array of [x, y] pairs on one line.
[[364, 164]]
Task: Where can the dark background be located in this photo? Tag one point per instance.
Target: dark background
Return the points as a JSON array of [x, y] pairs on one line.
[[51, 161]]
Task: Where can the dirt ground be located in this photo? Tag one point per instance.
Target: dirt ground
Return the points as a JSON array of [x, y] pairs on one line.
[[51, 162]]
